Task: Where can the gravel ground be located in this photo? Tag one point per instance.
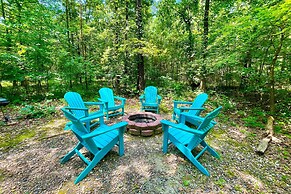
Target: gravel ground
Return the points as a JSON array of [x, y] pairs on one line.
[[33, 165]]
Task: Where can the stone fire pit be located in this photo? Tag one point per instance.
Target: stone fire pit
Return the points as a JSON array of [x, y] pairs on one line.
[[143, 123]]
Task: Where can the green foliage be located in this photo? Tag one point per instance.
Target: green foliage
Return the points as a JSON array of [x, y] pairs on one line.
[[36, 111], [256, 118], [226, 102], [186, 180], [220, 182], [48, 49]]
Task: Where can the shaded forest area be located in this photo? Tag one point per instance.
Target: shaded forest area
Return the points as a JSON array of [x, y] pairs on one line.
[[239, 49]]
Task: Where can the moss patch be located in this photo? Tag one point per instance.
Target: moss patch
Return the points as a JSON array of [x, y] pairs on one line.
[[9, 141]]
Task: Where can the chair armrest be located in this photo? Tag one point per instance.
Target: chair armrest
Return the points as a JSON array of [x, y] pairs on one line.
[[176, 103], [104, 102], [182, 127], [182, 102], [141, 97], [101, 104], [76, 108], [86, 110], [93, 117], [94, 103], [104, 129], [121, 99], [191, 108], [196, 118]]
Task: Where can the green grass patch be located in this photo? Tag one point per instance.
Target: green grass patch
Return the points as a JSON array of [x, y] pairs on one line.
[[186, 180], [9, 141], [254, 122], [2, 177], [220, 182]]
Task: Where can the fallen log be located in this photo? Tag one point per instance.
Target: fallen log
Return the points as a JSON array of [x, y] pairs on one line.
[[270, 132]]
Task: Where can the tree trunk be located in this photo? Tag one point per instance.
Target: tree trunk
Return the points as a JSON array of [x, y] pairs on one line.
[[205, 44], [187, 21], [8, 39], [140, 57], [82, 45], [126, 58], [272, 76]]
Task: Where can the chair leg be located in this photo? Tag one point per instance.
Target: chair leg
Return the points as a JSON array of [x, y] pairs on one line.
[[210, 149], [71, 153], [165, 138], [121, 144], [187, 152], [88, 169], [173, 117], [198, 165], [107, 115], [95, 160]]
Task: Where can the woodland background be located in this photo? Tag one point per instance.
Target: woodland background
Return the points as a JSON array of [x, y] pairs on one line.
[[239, 49]]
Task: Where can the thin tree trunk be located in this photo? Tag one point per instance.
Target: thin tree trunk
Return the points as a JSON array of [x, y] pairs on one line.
[[82, 45], [8, 39], [272, 76], [140, 57], [126, 53], [205, 44]]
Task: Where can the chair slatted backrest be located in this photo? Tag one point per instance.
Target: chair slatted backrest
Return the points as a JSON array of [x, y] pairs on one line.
[[151, 94], [74, 99], [106, 94], [198, 102], [206, 125], [79, 130]]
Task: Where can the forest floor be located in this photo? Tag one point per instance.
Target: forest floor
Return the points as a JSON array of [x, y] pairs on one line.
[[31, 150]]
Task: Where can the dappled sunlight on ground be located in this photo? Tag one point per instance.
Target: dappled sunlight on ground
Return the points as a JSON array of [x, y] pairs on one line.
[[33, 165]]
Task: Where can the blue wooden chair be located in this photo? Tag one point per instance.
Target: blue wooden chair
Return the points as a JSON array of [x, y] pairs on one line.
[[98, 142], [111, 108], [190, 108], [186, 138], [80, 109], [150, 100]]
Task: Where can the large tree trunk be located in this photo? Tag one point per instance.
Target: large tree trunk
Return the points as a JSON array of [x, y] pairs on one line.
[[140, 57], [205, 44]]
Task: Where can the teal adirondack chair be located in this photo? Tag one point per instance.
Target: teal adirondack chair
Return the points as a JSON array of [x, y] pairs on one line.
[[191, 108], [150, 100], [79, 109], [186, 138], [98, 142], [111, 108]]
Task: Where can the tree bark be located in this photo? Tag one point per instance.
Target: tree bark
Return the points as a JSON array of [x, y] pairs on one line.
[[205, 44], [272, 76], [8, 39], [140, 57]]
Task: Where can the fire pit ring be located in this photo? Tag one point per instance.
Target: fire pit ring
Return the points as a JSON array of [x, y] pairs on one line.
[[143, 123]]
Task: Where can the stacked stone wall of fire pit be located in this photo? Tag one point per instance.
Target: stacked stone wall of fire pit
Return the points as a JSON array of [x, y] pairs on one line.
[[143, 123]]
